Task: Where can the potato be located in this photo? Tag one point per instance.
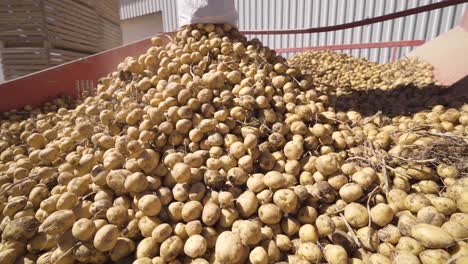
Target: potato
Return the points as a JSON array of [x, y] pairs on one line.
[[434, 256], [147, 224], [122, 249], [195, 246], [379, 259], [136, 182], [368, 238], [327, 164], [147, 248], [308, 233], [58, 222], [456, 229], [21, 229], [356, 215], [381, 214], [430, 215], [247, 203], [406, 221], [191, 211], [403, 257], [249, 232], [8, 256], [325, 225], [335, 254], [269, 214], [410, 245], [193, 228], [389, 234], [307, 215], [149, 204], [443, 205], [310, 252], [415, 201], [171, 247], [211, 213], [229, 248], [274, 180], [106, 238], [431, 236], [181, 173], [258, 256], [83, 229], [283, 242], [351, 192]]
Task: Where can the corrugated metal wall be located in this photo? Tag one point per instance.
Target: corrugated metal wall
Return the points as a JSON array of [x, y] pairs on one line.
[[290, 14], [135, 8]]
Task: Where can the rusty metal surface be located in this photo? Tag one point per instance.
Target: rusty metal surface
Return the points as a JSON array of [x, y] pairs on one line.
[[40, 87]]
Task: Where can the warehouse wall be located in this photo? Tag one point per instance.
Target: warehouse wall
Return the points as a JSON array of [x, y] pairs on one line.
[[139, 28], [289, 14], [2, 78]]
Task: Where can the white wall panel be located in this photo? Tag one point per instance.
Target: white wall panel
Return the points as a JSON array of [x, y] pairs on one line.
[[293, 14]]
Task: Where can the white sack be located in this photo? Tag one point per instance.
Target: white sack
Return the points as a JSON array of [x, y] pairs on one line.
[[206, 11]]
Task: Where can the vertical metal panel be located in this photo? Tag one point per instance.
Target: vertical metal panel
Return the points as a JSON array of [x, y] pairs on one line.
[[289, 14], [314, 13]]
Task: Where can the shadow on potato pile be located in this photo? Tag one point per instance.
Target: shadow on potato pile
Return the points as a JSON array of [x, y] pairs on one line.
[[403, 100]]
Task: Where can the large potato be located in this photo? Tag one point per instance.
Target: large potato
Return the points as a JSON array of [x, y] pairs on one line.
[[106, 238], [228, 248], [58, 222], [432, 236]]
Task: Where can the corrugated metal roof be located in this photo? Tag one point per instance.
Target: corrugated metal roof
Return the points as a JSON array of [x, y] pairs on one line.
[[290, 14]]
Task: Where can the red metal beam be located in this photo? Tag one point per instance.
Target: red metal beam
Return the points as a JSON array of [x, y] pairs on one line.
[[404, 43], [363, 22], [40, 87]]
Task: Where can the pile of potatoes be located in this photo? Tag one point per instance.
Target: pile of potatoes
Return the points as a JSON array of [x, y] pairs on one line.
[[341, 73], [212, 149]]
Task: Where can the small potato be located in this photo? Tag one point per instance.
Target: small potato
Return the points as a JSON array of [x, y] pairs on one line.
[[356, 215], [269, 214], [274, 180], [181, 173], [249, 232], [247, 203], [171, 248], [106, 238], [122, 249], [149, 204], [456, 229], [410, 245], [67, 201], [386, 249], [308, 233], [307, 215], [351, 192], [229, 248], [283, 242], [432, 236], [415, 201], [335, 254], [211, 213], [381, 214], [389, 234], [310, 252], [430, 215], [195, 246], [286, 200], [193, 228], [192, 210], [403, 257], [83, 229], [136, 182], [161, 232], [325, 225], [58, 222], [434, 256], [147, 248], [443, 205], [368, 238], [147, 224], [379, 259], [258, 256]]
